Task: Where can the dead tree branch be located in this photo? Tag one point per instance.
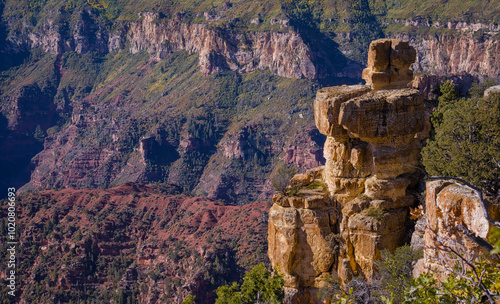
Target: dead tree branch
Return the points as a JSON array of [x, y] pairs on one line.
[[452, 254], [478, 240]]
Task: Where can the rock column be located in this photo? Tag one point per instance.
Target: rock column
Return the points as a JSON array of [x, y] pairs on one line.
[[372, 153]]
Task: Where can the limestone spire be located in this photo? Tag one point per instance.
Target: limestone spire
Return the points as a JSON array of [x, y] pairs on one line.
[[389, 62]]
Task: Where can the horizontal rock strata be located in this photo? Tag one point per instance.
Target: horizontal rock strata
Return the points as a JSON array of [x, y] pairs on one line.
[[372, 152]]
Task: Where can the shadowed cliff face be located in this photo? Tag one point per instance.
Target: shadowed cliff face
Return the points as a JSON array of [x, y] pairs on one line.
[[28, 110], [16, 153]]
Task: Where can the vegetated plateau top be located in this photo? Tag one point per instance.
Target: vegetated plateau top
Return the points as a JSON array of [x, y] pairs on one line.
[[326, 14]]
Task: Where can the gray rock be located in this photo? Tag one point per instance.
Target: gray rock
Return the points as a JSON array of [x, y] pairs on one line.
[[492, 90]]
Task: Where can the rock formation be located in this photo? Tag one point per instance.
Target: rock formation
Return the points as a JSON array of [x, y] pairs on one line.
[[301, 235], [492, 90], [449, 205], [337, 218], [389, 64]]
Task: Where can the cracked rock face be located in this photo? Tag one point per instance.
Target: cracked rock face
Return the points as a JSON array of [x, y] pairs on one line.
[[450, 205], [341, 216], [389, 62], [371, 153], [301, 236]]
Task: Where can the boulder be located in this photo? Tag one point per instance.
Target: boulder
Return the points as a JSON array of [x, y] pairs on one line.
[[449, 204], [492, 90]]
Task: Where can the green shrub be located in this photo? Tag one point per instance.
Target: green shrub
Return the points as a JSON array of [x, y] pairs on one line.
[[475, 284], [396, 271], [189, 300], [448, 96], [466, 143], [376, 213], [258, 285], [282, 177]]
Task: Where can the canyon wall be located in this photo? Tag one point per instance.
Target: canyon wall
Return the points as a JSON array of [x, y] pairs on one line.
[[275, 45], [455, 48], [452, 48], [461, 54], [283, 49], [282, 52]]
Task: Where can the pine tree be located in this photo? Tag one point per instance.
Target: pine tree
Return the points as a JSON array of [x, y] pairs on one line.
[[467, 143]]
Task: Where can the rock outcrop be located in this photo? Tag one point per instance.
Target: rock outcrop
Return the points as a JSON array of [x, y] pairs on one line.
[[492, 90], [449, 205], [337, 218], [301, 234]]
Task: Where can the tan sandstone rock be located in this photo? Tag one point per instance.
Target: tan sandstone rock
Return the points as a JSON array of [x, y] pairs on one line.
[[327, 108], [389, 62], [448, 205], [299, 236], [341, 216]]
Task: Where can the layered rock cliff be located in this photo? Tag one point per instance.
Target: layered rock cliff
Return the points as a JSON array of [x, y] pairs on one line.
[[337, 218], [476, 54], [451, 48], [118, 55], [443, 48], [283, 52]]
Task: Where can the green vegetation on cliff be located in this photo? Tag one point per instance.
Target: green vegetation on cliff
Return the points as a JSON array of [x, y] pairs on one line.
[[116, 100], [259, 286], [394, 280], [327, 15], [466, 142]]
